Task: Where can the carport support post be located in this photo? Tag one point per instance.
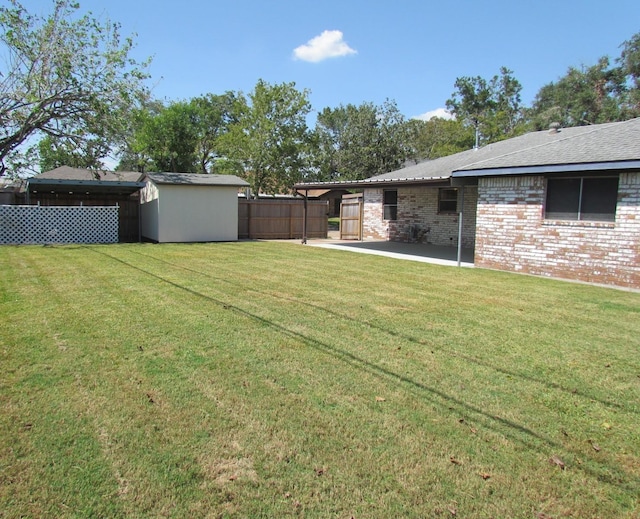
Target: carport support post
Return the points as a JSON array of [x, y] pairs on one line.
[[460, 214], [304, 218]]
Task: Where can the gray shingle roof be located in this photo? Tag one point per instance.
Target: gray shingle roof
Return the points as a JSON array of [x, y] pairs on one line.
[[610, 142], [596, 147], [601, 143], [196, 179]]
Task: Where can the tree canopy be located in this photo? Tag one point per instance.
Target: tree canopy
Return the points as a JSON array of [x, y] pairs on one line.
[[604, 92], [70, 93], [269, 144], [357, 142], [69, 78], [492, 108]]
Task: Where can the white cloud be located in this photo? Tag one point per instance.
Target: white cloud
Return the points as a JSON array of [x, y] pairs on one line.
[[438, 112], [328, 45]]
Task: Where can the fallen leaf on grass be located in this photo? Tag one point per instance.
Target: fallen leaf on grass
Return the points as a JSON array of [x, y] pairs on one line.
[[606, 425], [380, 399], [554, 460], [452, 510], [595, 446], [455, 461], [484, 475]]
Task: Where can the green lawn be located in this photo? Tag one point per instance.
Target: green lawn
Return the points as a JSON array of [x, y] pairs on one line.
[[277, 380]]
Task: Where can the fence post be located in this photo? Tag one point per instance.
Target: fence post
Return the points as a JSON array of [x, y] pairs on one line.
[[304, 218]]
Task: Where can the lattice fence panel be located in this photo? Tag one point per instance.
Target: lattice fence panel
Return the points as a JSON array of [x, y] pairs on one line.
[[29, 224]]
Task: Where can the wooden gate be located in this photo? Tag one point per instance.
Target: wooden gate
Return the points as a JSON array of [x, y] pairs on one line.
[[351, 217]]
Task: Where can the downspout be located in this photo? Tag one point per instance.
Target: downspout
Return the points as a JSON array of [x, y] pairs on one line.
[[460, 215], [304, 218]]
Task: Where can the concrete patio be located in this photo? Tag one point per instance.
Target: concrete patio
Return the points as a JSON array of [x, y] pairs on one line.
[[406, 251]]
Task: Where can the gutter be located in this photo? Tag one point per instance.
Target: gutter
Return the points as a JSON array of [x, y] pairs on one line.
[[346, 184], [552, 168]]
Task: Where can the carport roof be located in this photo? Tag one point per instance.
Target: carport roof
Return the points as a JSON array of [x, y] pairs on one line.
[[69, 173], [57, 185]]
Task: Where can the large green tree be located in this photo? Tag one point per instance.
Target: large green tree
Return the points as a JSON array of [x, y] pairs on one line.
[[169, 138], [269, 144], [358, 142], [66, 76], [607, 91], [492, 108], [629, 62], [54, 153], [586, 95], [213, 116], [183, 136], [438, 137]]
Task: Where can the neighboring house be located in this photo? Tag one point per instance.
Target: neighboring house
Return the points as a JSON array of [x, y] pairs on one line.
[[562, 203], [190, 207], [332, 196]]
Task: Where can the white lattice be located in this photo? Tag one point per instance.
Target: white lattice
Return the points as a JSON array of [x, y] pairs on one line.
[[22, 224]]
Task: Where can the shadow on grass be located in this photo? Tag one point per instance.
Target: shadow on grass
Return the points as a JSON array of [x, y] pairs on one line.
[[398, 335], [509, 429]]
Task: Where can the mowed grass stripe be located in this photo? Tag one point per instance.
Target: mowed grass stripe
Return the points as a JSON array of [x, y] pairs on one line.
[[271, 379]]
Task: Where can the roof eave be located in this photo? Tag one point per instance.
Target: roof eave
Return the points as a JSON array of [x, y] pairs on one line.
[[360, 184], [33, 184], [550, 168]]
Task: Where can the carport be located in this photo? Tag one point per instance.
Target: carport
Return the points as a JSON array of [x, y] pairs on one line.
[[74, 192], [410, 247]]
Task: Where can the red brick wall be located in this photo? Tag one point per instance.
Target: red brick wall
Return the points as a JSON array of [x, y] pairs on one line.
[[418, 209], [513, 235]]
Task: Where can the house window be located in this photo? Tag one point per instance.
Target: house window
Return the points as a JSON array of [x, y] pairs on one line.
[[447, 200], [584, 198], [390, 204]]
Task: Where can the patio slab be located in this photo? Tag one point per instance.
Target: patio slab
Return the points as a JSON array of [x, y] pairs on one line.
[[406, 251]]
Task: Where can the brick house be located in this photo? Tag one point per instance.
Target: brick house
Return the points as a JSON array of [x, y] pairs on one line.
[[561, 203]]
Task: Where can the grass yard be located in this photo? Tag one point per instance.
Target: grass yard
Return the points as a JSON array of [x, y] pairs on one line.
[[276, 380]]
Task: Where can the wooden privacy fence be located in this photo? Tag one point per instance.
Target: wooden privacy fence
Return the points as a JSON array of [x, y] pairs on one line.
[[281, 219]]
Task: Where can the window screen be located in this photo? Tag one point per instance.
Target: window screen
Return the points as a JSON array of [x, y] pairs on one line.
[[390, 204], [448, 201], [589, 199]]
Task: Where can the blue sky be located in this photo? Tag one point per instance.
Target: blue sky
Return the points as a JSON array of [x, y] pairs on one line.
[[409, 51]]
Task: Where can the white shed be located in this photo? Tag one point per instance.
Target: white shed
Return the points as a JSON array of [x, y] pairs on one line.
[[190, 207]]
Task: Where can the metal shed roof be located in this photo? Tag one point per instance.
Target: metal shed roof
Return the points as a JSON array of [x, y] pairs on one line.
[[56, 185]]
